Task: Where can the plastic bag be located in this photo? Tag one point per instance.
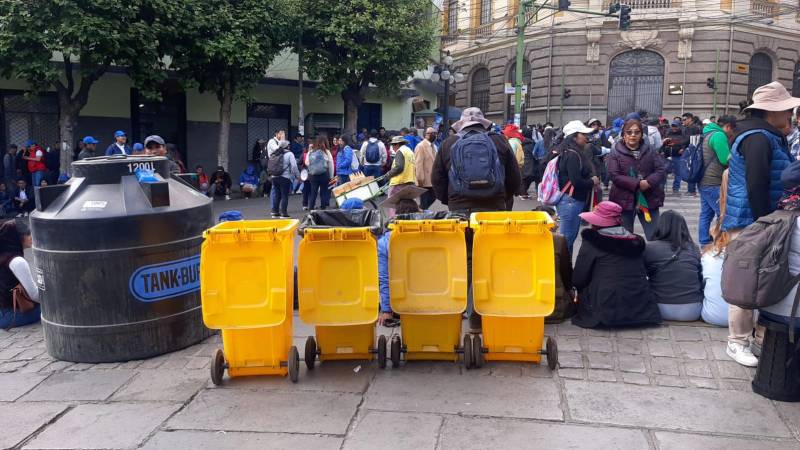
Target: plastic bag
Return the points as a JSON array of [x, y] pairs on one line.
[[146, 176], [342, 218]]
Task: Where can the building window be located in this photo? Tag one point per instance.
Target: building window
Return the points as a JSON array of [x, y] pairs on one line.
[[452, 17], [796, 80], [635, 82], [479, 95], [760, 72], [526, 79], [486, 11]]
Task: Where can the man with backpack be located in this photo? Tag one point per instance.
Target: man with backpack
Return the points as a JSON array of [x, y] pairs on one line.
[[716, 152], [467, 182], [474, 171], [373, 156]]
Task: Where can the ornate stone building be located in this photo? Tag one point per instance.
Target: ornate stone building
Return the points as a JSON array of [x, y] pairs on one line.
[[661, 64]]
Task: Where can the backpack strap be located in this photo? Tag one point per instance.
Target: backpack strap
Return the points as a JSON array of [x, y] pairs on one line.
[[792, 313]]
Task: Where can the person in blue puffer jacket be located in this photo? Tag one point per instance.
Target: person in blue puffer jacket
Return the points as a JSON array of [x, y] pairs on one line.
[[759, 154], [344, 159], [248, 181]]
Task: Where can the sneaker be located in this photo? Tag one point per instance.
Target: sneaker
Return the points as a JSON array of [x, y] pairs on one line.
[[227, 197], [305, 208], [275, 216], [742, 354], [285, 216]]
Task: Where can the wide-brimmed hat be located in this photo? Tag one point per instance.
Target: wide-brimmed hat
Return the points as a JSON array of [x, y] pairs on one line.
[[605, 214], [398, 140], [773, 97], [471, 116], [576, 126], [593, 120], [408, 192]]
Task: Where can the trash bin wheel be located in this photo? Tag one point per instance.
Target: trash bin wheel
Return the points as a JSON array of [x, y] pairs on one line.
[[217, 367], [477, 351], [552, 353], [397, 345], [294, 364], [311, 352], [382, 351], [467, 356]]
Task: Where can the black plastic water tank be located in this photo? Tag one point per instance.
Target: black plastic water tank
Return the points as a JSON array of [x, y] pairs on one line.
[[118, 261]]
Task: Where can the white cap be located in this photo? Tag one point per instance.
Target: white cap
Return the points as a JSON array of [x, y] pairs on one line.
[[706, 121], [576, 126]]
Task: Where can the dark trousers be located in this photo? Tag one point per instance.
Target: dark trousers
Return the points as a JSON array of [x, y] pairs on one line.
[[628, 218], [319, 186], [306, 192], [526, 184], [427, 199], [280, 195]]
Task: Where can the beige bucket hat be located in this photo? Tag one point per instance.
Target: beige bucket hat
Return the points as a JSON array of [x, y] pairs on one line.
[[773, 97]]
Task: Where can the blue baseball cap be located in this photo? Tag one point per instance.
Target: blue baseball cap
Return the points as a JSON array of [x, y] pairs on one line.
[[29, 142], [90, 140], [119, 133], [138, 147]]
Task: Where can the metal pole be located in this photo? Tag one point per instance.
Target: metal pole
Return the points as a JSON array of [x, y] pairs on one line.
[[520, 51], [561, 113], [550, 68], [446, 104], [683, 86], [716, 83], [730, 68], [591, 86], [301, 126]]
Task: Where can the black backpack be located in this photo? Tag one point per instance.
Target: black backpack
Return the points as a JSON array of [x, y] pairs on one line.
[[275, 164]]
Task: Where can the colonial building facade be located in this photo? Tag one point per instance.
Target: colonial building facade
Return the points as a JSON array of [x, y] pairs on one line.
[[661, 64]]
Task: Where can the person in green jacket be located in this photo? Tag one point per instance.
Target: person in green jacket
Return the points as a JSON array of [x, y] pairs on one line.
[[716, 152]]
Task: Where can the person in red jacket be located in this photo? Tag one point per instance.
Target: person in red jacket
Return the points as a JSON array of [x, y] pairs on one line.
[[36, 165]]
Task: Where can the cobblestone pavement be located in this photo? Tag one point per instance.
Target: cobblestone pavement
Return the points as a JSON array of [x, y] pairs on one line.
[[667, 387]]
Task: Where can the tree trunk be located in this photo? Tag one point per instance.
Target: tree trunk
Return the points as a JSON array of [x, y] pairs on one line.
[[353, 98], [67, 124], [225, 102]]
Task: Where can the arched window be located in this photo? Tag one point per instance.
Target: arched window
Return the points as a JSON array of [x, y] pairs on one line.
[[479, 92], [526, 80], [760, 72], [636, 82], [796, 80]]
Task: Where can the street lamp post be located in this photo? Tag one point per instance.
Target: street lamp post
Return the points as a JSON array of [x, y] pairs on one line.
[[442, 72]]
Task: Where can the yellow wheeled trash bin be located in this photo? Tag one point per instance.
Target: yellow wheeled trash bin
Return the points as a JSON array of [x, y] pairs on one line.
[[513, 287], [427, 287], [246, 283], [337, 279]]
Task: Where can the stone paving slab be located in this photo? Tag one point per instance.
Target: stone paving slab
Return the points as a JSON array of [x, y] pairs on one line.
[[473, 433], [230, 440], [330, 376], [88, 386], [171, 385], [268, 411], [20, 420], [791, 415], [673, 408], [681, 441], [377, 429], [526, 397], [104, 426], [15, 385]]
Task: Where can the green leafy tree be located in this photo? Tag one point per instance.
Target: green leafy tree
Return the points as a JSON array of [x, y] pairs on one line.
[[351, 45], [67, 45], [225, 47]]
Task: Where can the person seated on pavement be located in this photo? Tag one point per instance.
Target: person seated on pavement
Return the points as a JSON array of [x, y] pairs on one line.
[[220, 183], [672, 261], [790, 201], [202, 179], [248, 181], [6, 206], [715, 308], [609, 274], [23, 201], [403, 201], [565, 293], [16, 280]]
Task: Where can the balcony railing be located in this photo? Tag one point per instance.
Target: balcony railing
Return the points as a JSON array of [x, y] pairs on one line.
[[764, 8], [484, 30], [646, 4]]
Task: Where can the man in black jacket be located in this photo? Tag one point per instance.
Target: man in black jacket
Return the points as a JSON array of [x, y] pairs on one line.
[[472, 120]]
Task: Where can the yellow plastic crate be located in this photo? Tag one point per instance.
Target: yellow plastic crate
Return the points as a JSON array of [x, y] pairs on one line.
[[513, 264], [246, 273], [337, 277], [428, 267]]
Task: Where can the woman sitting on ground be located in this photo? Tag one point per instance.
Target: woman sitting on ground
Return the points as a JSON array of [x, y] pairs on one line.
[[673, 266], [15, 275], [609, 274]]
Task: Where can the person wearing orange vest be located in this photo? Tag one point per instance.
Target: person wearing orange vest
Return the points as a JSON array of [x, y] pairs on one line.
[[36, 166]]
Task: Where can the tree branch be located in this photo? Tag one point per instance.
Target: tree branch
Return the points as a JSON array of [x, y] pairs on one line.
[[68, 72], [86, 82]]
